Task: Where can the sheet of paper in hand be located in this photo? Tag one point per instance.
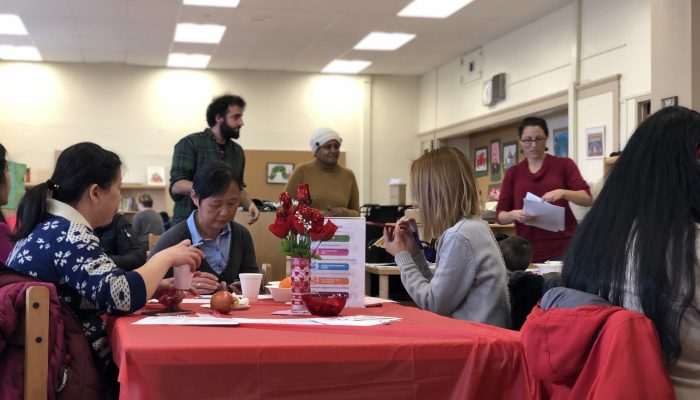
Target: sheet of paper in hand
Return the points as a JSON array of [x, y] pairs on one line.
[[548, 216]]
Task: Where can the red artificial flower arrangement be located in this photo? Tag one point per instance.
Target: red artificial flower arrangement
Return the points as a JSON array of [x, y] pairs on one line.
[[298, 225]]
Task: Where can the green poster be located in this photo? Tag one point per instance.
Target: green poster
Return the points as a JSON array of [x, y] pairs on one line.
[[17, 174]]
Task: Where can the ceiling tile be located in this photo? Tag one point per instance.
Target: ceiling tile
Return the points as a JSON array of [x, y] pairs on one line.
[[97, 56], [55, 8], [291, 35], [111, 10]]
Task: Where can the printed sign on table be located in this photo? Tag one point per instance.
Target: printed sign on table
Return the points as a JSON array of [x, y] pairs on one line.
[[342, 264]]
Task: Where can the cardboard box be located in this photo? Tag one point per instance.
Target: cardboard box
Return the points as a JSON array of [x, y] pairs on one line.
[[397, 194]]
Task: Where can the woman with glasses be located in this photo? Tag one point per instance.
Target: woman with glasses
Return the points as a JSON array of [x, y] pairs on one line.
[[556, 180], [333, 187]]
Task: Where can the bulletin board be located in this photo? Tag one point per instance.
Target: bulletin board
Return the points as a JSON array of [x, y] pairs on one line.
[[504, 134], [258, 164]]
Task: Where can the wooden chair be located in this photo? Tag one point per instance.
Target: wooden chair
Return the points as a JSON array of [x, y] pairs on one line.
[[33, 334], [266, 270]]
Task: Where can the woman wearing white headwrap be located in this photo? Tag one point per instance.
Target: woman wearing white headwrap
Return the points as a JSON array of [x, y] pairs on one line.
[[333, 188]]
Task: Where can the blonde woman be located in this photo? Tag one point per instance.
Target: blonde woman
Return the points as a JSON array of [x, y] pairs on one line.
[[469, 281]]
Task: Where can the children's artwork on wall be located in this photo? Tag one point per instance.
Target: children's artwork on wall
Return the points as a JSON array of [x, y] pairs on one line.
[[510, 155], [155, 175], [595, 141], [494, 191], [481, 161], [279, 172], [561, 142], [496, 160]]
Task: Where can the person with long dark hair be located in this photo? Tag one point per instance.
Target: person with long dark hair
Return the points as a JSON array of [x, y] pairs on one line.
[[5, 243], [55, 242], [638, 246]]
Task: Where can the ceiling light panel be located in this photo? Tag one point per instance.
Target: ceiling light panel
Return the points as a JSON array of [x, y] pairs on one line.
[[11, 24], [19, 53], [384, 41], [212, 3], [345, 66], [432, 8], [199, 33], [182, 60]]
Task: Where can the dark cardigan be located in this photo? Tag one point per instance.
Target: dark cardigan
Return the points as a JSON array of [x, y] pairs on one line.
[[241, 256]]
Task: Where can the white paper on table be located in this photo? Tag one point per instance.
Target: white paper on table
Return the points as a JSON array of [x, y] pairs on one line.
[[548, 216], [355, 320], [199, 319], [358, 320], [208, 320], [375, 301], [195, 300]]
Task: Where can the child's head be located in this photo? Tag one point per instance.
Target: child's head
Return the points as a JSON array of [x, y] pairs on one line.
[[517, 253], [444, 189], [145, 200]]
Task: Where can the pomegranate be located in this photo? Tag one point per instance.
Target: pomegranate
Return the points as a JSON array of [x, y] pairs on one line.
[[222, 302], [171, 298]]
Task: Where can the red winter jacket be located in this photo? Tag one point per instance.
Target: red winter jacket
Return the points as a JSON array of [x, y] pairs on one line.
[[12, 301], [594, 352]]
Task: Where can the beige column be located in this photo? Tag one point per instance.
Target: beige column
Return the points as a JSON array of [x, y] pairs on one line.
[[675, 52]]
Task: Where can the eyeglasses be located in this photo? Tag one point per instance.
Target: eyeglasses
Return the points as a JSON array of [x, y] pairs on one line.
[[530, 141]]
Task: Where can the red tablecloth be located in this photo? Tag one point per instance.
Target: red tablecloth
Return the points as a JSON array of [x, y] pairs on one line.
[[423, 356]]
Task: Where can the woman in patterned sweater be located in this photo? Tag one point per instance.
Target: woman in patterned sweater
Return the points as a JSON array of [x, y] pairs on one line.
[[55, 242]]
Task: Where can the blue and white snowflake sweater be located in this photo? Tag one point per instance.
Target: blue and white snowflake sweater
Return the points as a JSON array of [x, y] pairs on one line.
[[64, 250]]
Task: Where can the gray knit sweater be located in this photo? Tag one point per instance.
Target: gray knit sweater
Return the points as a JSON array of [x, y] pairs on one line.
[[469, 281]]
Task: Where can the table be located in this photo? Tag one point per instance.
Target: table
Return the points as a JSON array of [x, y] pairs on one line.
[[422, 356], [384, 272], [508, 229]]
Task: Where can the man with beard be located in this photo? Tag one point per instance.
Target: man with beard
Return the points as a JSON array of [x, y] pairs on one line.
[[225, 119]]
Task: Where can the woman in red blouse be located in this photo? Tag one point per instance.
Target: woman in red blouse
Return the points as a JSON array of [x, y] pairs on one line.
[[556, 180]]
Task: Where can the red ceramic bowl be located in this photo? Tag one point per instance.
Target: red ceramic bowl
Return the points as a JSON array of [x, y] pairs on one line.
[[325, 304]]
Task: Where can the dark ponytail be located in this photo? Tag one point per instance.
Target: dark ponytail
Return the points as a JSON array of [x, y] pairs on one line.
[[77, 168]]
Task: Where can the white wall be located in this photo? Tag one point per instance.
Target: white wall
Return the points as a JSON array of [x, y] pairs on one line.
[[140, 112], [394, 130], [537, 61]]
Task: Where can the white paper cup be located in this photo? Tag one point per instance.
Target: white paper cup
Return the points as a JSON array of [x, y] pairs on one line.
[[183, 277], [250, 286]]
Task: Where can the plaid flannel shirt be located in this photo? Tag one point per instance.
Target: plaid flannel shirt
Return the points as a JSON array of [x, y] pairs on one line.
[[190, 153]]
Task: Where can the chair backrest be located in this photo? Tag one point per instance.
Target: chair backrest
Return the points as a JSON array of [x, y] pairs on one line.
[[152, 239], [266, 270], [525, 290], [33, 334]]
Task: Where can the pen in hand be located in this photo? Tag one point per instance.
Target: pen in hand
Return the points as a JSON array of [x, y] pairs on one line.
[[403, 222]]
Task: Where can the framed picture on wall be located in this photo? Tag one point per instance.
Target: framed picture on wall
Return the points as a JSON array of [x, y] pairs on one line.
[[494, 191], [279, 172], [481, 161], [561, 142], [669, 101], [510, 155], [595, 141], [155, 175], [495, 146]]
